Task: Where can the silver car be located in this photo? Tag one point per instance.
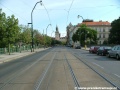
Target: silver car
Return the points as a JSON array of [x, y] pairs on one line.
[[114, 52]]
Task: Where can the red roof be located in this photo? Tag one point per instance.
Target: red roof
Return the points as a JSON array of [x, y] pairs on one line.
[[99, 23]]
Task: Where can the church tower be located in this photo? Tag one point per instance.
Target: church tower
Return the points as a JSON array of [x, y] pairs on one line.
[[57, 34]]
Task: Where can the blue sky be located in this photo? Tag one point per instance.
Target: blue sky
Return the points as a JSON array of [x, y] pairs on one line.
[[105, 10]]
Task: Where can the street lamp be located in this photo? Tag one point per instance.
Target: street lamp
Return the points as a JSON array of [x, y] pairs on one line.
[[51, 37], [85, 32], [81, 17], [31, 36], [47, 27], [32, 48], [46, 32], [52, 33]]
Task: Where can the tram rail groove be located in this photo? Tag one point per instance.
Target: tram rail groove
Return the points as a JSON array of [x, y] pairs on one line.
[[18, 74], [73, 75], [118, 88], [41, 78]]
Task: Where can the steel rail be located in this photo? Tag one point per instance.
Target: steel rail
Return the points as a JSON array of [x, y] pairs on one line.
[[73, 75], [118, 88], [22, 71], [41, 78]]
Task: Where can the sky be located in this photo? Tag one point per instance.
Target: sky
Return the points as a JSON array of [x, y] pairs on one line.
[[60, 12]]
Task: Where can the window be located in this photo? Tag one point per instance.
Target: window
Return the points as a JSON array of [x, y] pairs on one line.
[[115, 48], [103, 35], [101, 48], [118, 48], [99, 35], [103, 30]]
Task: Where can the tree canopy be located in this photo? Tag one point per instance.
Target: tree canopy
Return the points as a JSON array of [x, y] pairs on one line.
[[9, 29], [13, 33], [114, 36], [85, 35]]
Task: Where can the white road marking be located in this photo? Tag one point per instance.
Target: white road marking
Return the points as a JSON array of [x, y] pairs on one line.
[[117, 75], [98, 65]]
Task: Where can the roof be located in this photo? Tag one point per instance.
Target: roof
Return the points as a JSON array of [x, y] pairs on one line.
[[99, 23]]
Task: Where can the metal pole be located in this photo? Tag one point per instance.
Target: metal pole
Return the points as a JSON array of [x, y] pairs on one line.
[[46, 33], [47, 27], [32, 48], [52, 33], [85, 33], [44, 38]]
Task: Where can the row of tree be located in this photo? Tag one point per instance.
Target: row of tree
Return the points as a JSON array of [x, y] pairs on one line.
[[11, 33]]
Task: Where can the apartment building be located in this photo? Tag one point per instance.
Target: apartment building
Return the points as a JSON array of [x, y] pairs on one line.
[[102, 28]]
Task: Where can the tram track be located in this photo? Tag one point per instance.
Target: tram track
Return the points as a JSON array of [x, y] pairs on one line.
[[72, 74], [9, 81], [41, 78], [83, 61]]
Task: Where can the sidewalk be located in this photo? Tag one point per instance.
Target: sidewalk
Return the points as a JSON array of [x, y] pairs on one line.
[[87, 49], [16, 55]]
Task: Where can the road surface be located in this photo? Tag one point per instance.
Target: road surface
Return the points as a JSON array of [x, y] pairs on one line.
[[54, 69]]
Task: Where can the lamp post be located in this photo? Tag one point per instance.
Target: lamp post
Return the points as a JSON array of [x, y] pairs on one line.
[[52, 33], [32, 48], [85, 32], [51, 37], [47, 27], [31, 37], [46, 32]]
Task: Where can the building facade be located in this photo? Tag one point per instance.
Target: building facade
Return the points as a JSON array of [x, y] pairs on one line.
[[71, 29], [102, 28]]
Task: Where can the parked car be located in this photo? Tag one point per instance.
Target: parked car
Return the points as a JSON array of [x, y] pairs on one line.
[[103, 50], [93, 49], [69, 45], [114, 52], [77, 47]]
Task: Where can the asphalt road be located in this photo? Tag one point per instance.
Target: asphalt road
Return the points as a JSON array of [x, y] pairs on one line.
[[53, 69], [108, 67]]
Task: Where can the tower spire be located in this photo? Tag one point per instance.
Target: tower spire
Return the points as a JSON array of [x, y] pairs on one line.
[[56, 28]]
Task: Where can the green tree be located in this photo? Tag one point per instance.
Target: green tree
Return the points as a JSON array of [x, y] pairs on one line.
[[75, 37], [85, 34], [12, 30], [48, 40], [38, 38], [2, 28], [114, 36], [25, 35]]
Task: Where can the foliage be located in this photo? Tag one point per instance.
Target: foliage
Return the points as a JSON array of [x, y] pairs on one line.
[[14, 34], [75, 37], [12, 29], [9, 29], [84, 35], [63, 43], [48, 40], [2, 28], [25, 34], [105, 42], [36, 37], [114, 36]]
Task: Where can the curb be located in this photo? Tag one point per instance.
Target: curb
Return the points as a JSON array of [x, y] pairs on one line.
[[19, 56], [13, 58]]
